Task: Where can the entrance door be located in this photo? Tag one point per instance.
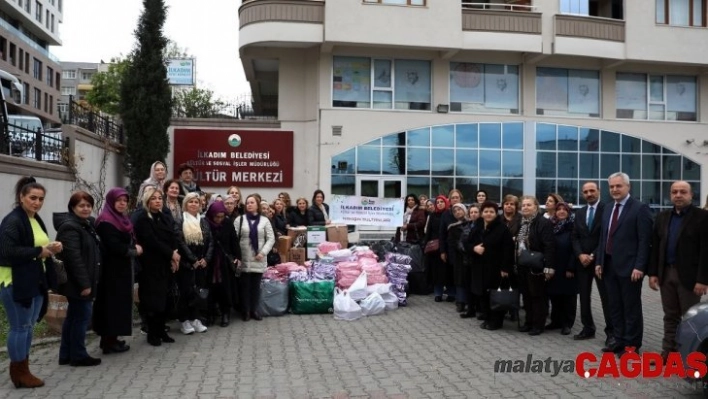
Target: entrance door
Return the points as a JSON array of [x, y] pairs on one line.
[[380, 187]]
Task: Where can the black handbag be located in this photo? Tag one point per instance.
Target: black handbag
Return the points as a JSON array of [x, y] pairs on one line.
[[533, 260], [273, 258], [503, 299]]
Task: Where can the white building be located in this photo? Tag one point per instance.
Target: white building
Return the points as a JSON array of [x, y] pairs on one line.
[[389, 97]]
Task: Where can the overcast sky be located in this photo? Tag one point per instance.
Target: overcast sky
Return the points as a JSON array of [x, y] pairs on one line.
[[95, 30]]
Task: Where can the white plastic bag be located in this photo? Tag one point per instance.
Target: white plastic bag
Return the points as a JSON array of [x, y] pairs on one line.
[[391, 300], [373, 305], [379, 288], [358, 289], [345, 308]]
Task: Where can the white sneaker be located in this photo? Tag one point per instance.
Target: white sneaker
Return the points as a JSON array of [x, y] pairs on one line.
[[187, 327], [198, 326]]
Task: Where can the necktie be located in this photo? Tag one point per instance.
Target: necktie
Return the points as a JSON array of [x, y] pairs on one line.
[[591, 217], [613, 227]]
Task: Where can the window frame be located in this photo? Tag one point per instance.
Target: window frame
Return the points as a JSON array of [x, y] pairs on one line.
[[691, 7], [38, 14], [69, 74], [664, 102], [566, 113], [70, 91], [408, 3], [487, 111]]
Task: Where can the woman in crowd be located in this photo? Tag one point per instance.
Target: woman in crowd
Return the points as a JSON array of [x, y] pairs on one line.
[[113, 308], [256, 240], [158, 174], [455, 256], [235, 192], [493, 252], [430, 207], [82, 261], [535, 234], [155, 233], [563, 287], [230, 207], [441, 272], [510, 214], [280, 221], [172, 202], [26, 275], [446, 219], [192, 269], [187, 181], [224, 262], [551, 202], [423, 200], [413, 221], [287, 202], [473, 214], [301, 215], [319, 211], [481, 196]]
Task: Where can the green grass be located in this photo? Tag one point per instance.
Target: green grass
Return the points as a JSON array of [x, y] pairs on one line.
[[41, 330]]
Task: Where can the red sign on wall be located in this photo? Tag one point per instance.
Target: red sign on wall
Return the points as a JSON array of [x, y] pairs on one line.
[[244, 158]]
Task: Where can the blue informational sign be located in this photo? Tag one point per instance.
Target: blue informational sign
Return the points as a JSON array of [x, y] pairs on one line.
[[180, 71]]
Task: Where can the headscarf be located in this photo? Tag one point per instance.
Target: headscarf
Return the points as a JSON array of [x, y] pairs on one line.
[[213, 210], [463, 207], [563, 225], [152, 180], [109, 214], [447, 203]]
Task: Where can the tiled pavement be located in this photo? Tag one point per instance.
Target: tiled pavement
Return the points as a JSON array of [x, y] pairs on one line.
[[422, 351]]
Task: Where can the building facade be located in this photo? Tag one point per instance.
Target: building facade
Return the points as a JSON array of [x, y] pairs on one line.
[[76, 81], [27, 29], [390, 97]]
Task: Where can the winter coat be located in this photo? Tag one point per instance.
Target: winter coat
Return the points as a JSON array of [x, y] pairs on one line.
[[191, 253], [156, 234], [81, 254], [559, 284], [446, 219], [455, 257], [498, 255], [296, 219], [415, 227], [266, 240], [225, 242], [280, 225], [316, 217], [30, 276], [113, 309], [541, 240]]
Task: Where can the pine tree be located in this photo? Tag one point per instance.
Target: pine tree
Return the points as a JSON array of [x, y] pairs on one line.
[[145, 98]]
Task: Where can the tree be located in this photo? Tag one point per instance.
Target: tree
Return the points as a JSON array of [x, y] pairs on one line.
[[196, 103], [105, 94], [145, 98], [173, 50]]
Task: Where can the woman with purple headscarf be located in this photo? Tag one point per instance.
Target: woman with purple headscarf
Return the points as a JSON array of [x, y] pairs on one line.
[[113, 309]]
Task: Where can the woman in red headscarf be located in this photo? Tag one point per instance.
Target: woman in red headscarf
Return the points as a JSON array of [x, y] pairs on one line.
[[113, 309], [441, 271]]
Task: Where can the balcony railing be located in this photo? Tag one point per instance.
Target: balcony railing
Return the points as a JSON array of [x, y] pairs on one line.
[[5, 25], [589, 27], [92, 121], [307, 11], [510, 6], [506, 18]]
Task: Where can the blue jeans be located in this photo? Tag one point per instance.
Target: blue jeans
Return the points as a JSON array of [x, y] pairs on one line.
[[73, 331], [22, 321]]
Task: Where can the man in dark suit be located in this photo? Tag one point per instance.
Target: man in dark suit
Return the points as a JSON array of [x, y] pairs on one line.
[[586, 238], [622, 261], [679, 262]]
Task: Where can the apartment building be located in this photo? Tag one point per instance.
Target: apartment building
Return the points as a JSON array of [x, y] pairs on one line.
[[76, 81], [27, 29], [390, 97]]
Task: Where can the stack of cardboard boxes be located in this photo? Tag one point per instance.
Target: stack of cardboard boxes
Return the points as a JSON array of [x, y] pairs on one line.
[[301, 242]]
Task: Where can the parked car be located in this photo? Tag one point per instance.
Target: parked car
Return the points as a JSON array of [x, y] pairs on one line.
[[52, 147]]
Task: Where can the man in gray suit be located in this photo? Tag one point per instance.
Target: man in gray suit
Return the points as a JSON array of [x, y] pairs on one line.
[[623, 260]]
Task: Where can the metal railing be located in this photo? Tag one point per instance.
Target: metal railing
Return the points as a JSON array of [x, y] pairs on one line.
[[4, 24], [257, 108], [497, 6], [47, 146], [93, 121]]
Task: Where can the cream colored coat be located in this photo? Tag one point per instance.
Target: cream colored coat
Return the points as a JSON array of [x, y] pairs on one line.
[[266, 240]]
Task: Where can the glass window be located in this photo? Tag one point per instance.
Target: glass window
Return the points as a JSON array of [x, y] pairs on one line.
[[490, 163], [609, 164], [691, 170], [680, 12], [484, 88], [492, 187], [442, 162], [398, 2], [466, 135], [546, 164], [412, 84], [368, 160], [468, 187], [631, 144], [578, 7], [343, 185], [543, 187], [589, 139], [567, 138], [651, 167], [681, 98], [513, 136], [351, 82], [568, 165], [344, 162], [441, 185], [651, 192], [513, 187], [589, 166], [394, 139], [418, 185], [671, 167], [671, 97], [419, 137], [418, 161], [567, 92], [394, 160], [490, 135], [512, 163], [443, 136], [545, 136], [632, 165], [610, 142], [466, 163], [568, 189]]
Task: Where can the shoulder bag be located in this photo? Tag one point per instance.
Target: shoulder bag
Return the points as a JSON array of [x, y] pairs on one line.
[[534, 260], [432, 246]]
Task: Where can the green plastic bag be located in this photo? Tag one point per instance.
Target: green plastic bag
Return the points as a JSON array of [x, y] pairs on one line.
[[311, 297]]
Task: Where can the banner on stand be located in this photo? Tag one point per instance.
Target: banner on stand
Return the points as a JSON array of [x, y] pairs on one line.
[[366, 211]]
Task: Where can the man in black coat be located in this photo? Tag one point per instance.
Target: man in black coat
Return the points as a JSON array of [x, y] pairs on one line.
[[623, 260], [679, 261], [586, 238]]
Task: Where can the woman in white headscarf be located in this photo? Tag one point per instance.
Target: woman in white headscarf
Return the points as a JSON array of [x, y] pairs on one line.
[[158, 174]]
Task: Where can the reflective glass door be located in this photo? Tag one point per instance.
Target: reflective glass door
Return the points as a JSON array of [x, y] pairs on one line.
[[380, 187]]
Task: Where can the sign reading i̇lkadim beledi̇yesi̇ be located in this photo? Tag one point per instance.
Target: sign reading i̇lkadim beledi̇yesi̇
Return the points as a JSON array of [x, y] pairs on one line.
[[244, 158]]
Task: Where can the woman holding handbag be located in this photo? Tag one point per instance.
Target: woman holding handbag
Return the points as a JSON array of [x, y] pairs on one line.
[[455, 255], [413, 221], [563, 286], [441, 271], [221, 271], [535, 238], [492, 249]]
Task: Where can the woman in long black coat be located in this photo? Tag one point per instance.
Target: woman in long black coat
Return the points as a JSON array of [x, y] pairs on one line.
[[113, 308], [563, 286], [221, 270], [300, 216], [319, 211], [492, 247], [155, 233], [455, 256], [441, 271]]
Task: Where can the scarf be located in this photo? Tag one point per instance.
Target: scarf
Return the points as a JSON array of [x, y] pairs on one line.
[[253, 230], [560, 226], [324, 211], [192, 229], [213, 210], [174, 209], [190, 187], [109, 214], [523, 237], [447, 203]]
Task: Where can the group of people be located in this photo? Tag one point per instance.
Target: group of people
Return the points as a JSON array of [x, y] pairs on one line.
[[473, 250]]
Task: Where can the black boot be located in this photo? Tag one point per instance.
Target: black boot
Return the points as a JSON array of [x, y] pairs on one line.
[[224, 320], [460, 307]]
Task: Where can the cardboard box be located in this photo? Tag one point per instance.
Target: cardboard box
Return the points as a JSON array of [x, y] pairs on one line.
[[316, 235], [338, 233], [283, 245], [312, 251], [294, 232], [298, 255]]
